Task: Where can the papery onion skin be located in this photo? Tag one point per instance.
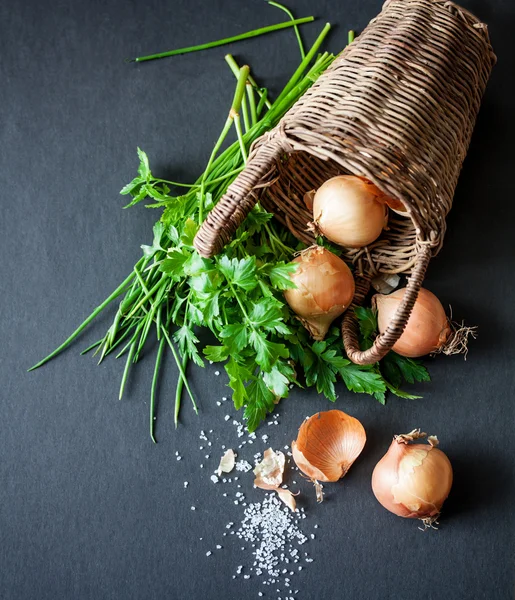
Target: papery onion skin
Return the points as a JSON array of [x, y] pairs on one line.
[[413, 480], [325, 289], [428, 328], [327, 444], [350, 211]]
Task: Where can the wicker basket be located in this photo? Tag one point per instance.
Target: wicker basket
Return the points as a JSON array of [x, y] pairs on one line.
[[398, 106]]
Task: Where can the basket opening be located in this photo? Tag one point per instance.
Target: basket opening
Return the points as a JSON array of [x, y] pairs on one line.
[[296, 173]]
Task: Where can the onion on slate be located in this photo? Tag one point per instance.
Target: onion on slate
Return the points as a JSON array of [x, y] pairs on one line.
[[413, 480], [428, 329], [325, 288], [351, 211]]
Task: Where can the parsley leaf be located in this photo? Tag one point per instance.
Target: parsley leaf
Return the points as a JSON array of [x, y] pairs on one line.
[[236, 336], [238, 375], [367, 321], [260, 401], [280, 275], [268, 314], [149, 251], [278, 378], [241, 273], [267, 352], [188, 341], [362, 379], [132, 187], [216, 353], [144, 167], [409, 369], [173, 265]]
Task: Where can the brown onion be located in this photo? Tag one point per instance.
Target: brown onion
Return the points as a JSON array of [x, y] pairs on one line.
[[325, 288], [413, 480], [428, 328], [350, 211], [327, 444]]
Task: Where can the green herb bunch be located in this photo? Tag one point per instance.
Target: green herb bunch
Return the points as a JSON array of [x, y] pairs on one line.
[[237, 295]]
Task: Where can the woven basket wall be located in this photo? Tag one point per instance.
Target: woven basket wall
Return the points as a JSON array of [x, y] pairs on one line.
[[398, 106]]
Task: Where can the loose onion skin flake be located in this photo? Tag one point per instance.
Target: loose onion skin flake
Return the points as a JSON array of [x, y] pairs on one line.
[[269, 476], [227, 462], [325, 289], [413, 480], [327, 444], [351, 211], [269, 472]]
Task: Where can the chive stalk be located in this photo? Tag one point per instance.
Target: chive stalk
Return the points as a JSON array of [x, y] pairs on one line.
[[224, 41]]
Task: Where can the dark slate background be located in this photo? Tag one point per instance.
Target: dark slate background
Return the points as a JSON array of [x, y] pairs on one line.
[[89, 507]]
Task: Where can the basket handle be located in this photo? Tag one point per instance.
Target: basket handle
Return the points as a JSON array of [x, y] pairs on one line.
[[230, 212], [385, 341]]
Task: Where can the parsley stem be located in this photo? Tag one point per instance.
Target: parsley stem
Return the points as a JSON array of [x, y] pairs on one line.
[[181, 370], [154, 387], [240, 303], [297, 32], [229, 40], [117, 292], [352, 35], [175, 183]]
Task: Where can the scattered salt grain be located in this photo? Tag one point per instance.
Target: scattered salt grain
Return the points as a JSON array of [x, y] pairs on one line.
[[208, 553], [243, 465], [217, 373], [192, 508], [185, 484], [214, 478], [227, 417], [218, 547]]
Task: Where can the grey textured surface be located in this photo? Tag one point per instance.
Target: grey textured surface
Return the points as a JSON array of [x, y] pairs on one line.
[[89, 507]]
